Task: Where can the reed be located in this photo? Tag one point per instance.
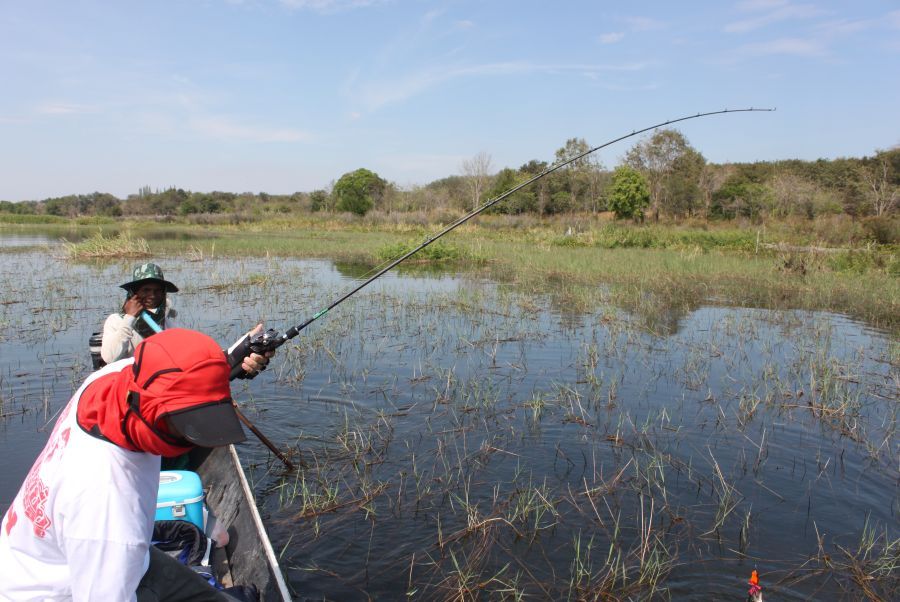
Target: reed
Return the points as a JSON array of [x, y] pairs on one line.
[[123, 244]]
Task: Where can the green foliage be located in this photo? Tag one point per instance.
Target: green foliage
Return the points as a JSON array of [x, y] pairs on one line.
[[680, 181], [23, 208], [580, 180], [24, 218], [318, 200], [436, 251], [672, 168], [76, 205], [740, 197], [628, 193], [863, 261], [358, 191], [884, 229], [521, 201], [569, 241], [623, 236], [560, 201], [684, 183]]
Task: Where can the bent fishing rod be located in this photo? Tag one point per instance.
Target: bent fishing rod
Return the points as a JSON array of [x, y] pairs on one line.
[[271, 339]]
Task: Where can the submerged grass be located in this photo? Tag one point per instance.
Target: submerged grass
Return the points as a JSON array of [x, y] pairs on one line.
[[478, 442]]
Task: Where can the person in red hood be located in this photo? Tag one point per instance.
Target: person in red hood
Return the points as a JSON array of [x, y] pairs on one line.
[[80, 526]]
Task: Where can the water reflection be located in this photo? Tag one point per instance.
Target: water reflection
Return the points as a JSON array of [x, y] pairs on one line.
[[454, 427]]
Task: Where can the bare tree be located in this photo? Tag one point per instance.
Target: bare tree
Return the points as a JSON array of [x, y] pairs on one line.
[[883, 193], [711, 179], [477, 171]]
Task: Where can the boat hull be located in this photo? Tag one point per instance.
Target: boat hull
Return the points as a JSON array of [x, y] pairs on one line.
[[248, 557]]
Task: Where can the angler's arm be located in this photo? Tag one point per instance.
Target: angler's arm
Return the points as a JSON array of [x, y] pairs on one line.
[[117, 338], [245, 363]]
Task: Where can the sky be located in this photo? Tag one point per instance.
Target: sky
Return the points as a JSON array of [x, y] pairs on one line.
[[281, 96]]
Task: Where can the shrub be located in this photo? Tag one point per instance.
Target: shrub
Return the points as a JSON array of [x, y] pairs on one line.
[[884, 229]]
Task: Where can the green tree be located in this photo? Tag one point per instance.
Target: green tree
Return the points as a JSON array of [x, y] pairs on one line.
[[657, 157], [170, 200], [685, 196], [629, 193], [358, 191], [318, 200], [103, 203], [739, 197], [65, 206], [541, 187], [518, 202], [580, 178]]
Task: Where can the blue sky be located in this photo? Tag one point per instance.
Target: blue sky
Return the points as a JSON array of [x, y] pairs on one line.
[[287, 95]]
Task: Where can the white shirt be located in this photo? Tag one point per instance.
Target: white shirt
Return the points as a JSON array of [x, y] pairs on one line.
[[120, 338], [80, 526]]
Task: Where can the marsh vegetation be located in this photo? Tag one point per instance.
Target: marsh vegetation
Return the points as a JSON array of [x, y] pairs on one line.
[[569, 419]]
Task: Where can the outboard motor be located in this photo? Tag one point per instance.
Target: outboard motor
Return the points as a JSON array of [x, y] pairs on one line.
[[94, 343]]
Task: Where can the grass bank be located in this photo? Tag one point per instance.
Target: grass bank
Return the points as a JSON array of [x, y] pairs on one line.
[[658, 271]]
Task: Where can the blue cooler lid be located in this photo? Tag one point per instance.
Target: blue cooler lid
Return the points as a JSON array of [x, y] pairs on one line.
[[179, 485]]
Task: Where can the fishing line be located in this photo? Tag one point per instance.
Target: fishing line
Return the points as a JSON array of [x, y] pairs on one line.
[[272, 339]]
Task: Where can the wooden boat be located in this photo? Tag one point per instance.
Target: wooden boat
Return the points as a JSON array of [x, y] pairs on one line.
[[248, 557]]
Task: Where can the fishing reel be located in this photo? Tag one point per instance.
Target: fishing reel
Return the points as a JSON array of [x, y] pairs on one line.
[[260, 343]]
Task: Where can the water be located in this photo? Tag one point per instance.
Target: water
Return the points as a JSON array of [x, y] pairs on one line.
[[464, 439]]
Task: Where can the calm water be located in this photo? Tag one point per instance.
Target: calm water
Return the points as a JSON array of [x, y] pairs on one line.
[[463, 438]]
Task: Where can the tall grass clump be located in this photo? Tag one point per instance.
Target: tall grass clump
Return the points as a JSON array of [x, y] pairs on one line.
[[436, 251], [120, 245]]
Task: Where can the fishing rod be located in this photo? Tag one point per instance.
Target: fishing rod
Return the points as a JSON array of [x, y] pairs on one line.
[[271, 339]]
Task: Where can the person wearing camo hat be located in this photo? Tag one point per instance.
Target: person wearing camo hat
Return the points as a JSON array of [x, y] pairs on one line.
[[147, 311], [145, 302]]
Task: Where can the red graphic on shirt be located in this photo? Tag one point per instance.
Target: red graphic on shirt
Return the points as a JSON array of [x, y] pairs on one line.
[[35, 491], [35, 499], [11, 518]]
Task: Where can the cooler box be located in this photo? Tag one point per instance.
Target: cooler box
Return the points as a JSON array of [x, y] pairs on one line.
[[180, 497]]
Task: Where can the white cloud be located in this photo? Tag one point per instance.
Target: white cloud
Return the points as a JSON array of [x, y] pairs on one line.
[[776, 12], [627, 88], [785, 46], [227, 129], [644, 23], [432, 15], [64, 108], [328, 6], [843, 27], [751, 5], [375, 95], [893, 19], [611, 37]]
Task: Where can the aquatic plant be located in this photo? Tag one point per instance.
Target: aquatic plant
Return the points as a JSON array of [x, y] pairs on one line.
[[123, 244]]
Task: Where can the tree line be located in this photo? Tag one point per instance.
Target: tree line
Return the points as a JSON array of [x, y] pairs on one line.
[[661, 175]]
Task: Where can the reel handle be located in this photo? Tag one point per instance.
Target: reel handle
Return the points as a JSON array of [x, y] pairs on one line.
[[261, 343]]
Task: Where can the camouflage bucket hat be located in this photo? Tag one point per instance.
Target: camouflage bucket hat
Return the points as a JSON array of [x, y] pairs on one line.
[[145, 272]]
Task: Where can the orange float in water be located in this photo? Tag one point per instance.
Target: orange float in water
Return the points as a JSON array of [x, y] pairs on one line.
[[755, 592]]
